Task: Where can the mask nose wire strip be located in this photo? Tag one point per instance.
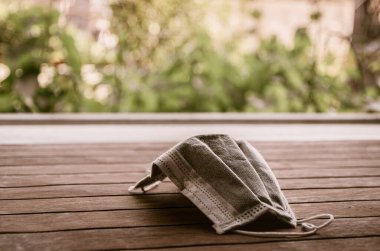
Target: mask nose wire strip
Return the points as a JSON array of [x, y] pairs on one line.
[[308, 227]]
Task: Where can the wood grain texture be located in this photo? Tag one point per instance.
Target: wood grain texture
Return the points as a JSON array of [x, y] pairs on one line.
[[152, 216], [362, 145], [102, 158], [271, 154], [354, 244], [129, 178], [172, 200], [74, 196], [283, 172], [190, 235], [142, 170], [73, 191]]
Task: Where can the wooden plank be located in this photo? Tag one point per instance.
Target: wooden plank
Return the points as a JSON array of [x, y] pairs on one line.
[[85, 146], [365, 243], [175, 236], [66, 151], [157, 145], [65, 155], [324, 163], [73, 169], [93, 203], [104, 158], [37, 152], [317, 143], [330, 183], [109, 178], [70, 154], [138, 167], [125, 201], [129, 149], [330, 195], [312, 163], [265, 146], [160, 217], [51, 160], [10, 161], [146, 160], [325, 173], [72, 191], [43, 180], [99, 219], [142, 169]]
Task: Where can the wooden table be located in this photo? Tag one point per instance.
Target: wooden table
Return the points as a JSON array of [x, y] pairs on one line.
[[74, 197]]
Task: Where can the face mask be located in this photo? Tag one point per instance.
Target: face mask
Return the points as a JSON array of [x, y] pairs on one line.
[[229, 181]]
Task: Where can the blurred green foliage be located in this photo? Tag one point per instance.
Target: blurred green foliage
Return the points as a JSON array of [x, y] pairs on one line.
[[30, 42], [164, 61]]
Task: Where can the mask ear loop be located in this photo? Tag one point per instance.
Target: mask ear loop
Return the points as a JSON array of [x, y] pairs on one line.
[[143, 186], [134, 189], [309, 228]]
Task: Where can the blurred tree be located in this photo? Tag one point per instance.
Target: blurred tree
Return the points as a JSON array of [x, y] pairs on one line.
[[146, 29], [366, 42], [43, 61], [163, 59], [163, 67]]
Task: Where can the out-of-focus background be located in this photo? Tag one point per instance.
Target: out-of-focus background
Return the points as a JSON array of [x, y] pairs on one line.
[[189, 56]]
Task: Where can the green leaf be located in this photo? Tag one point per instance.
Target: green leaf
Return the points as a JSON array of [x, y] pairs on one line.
[[72, 54]]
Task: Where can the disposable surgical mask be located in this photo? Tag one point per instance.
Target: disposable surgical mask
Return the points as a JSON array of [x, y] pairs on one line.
[[229, 181]]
